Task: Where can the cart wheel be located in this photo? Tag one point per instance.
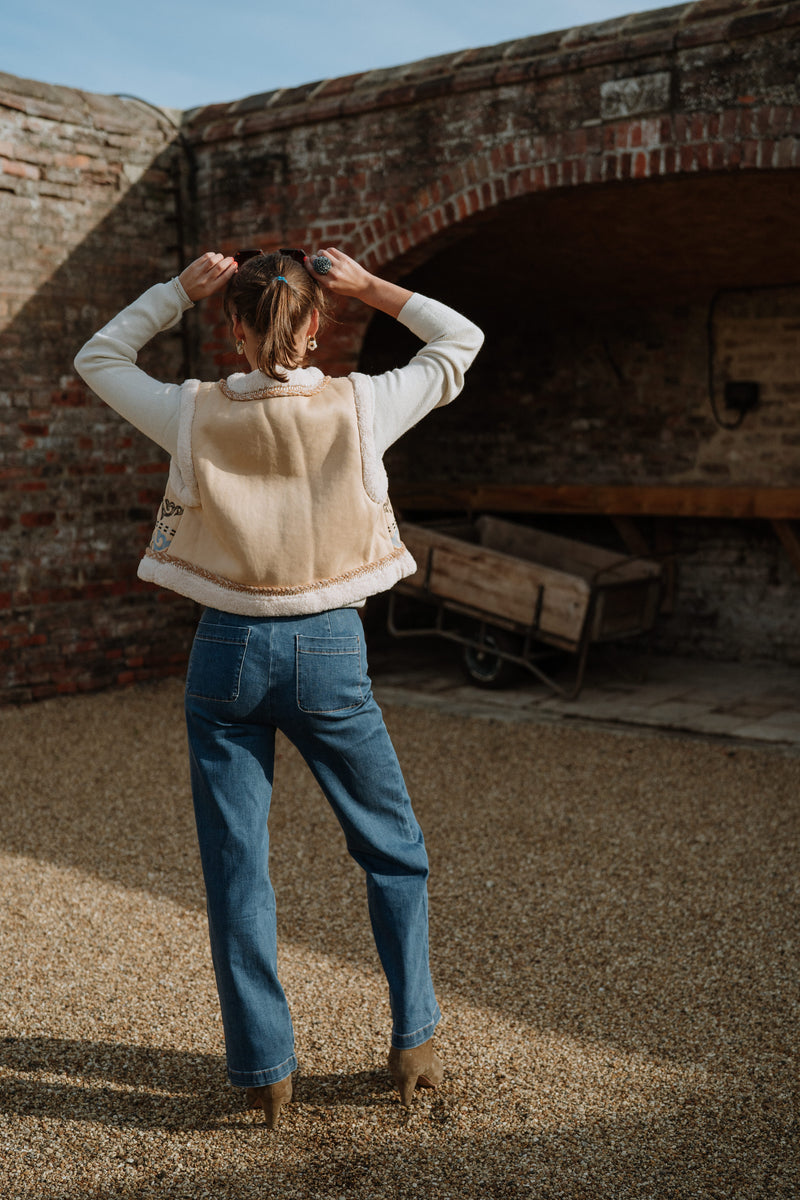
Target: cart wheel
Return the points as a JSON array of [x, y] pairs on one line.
[[487, 669]]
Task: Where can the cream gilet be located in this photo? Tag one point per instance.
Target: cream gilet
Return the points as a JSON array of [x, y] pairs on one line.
[[277, 501]]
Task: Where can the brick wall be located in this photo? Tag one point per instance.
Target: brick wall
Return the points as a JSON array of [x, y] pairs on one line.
[[88, 206], [737, 594], [589, 196]]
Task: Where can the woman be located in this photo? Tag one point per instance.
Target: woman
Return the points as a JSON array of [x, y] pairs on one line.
[[276, 519]]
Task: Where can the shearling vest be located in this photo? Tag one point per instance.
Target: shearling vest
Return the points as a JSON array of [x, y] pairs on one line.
[[277, 501]]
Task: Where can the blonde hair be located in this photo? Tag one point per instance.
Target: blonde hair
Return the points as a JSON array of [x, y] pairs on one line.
[[275, 308]]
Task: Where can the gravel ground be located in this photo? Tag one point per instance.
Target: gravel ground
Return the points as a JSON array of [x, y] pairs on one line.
[[614, 928]]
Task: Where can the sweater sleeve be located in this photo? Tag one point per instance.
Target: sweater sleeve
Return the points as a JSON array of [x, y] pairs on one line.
[[433, 377], [108, 364]]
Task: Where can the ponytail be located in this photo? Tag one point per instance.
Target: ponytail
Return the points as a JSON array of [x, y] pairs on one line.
[[275, 296]]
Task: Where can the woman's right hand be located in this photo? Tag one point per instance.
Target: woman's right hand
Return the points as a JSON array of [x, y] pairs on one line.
[[206, 275], [348, 278]]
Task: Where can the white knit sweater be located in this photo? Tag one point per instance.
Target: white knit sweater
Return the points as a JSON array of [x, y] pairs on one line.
[[433, 377]]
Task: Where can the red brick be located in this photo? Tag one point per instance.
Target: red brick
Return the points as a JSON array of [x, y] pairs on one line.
[[785, 152], [610, 167], [36, 520], [730, 123], [19, 169], [750, 153], [34, 639]]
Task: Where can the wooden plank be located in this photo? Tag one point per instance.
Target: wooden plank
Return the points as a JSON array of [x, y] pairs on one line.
[[563, 554], [498, 584], [731, 502]]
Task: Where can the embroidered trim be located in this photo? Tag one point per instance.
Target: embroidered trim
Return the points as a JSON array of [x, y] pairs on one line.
[[213, 595], [274, 389], [300, 589]]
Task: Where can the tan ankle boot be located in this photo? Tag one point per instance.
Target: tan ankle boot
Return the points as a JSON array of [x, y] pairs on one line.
[[271, 1097], [418, 1067]]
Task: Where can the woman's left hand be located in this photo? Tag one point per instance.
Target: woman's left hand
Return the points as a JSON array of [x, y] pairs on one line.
[[206, 275], [346, 277]]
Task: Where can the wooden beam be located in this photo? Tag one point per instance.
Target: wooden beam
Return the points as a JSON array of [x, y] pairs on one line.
[[739, 503]]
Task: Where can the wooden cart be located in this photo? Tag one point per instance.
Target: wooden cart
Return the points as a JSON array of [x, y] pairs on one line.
[[513, 597]]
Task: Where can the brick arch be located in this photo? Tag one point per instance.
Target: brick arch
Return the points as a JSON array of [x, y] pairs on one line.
[[669, 146]]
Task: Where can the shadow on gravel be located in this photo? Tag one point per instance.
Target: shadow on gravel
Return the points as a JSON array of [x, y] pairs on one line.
[[153, 1088], [131, 1088]]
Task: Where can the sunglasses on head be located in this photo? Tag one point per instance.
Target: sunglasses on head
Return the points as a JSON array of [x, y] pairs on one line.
[[243, 256]]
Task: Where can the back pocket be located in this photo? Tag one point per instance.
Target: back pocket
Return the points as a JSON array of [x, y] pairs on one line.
[[328, 674], [216, 662]]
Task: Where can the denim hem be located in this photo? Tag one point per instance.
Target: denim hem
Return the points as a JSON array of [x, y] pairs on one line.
[[245, 1079], [407, 1041]]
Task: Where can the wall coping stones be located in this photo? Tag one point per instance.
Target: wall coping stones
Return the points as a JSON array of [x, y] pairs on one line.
[[619, 39], [111, 114], [636, 35]]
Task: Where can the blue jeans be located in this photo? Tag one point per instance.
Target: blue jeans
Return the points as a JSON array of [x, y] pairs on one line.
[[306, 676]]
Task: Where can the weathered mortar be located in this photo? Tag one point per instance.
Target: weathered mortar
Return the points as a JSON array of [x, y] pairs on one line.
[[582, 194]]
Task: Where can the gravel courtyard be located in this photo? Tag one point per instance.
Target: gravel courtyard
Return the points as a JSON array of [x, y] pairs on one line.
[[614, 942]]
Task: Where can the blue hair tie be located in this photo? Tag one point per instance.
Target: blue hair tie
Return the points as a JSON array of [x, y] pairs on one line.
[[283, 277]]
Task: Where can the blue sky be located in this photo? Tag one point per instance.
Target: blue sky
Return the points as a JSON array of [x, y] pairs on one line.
[[180, 53]]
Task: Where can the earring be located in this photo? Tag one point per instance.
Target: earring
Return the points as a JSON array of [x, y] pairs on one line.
[[312, 343], [239, 346]]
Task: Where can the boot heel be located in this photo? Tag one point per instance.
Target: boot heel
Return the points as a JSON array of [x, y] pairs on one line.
[[271, 1098], [418, 1067]]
